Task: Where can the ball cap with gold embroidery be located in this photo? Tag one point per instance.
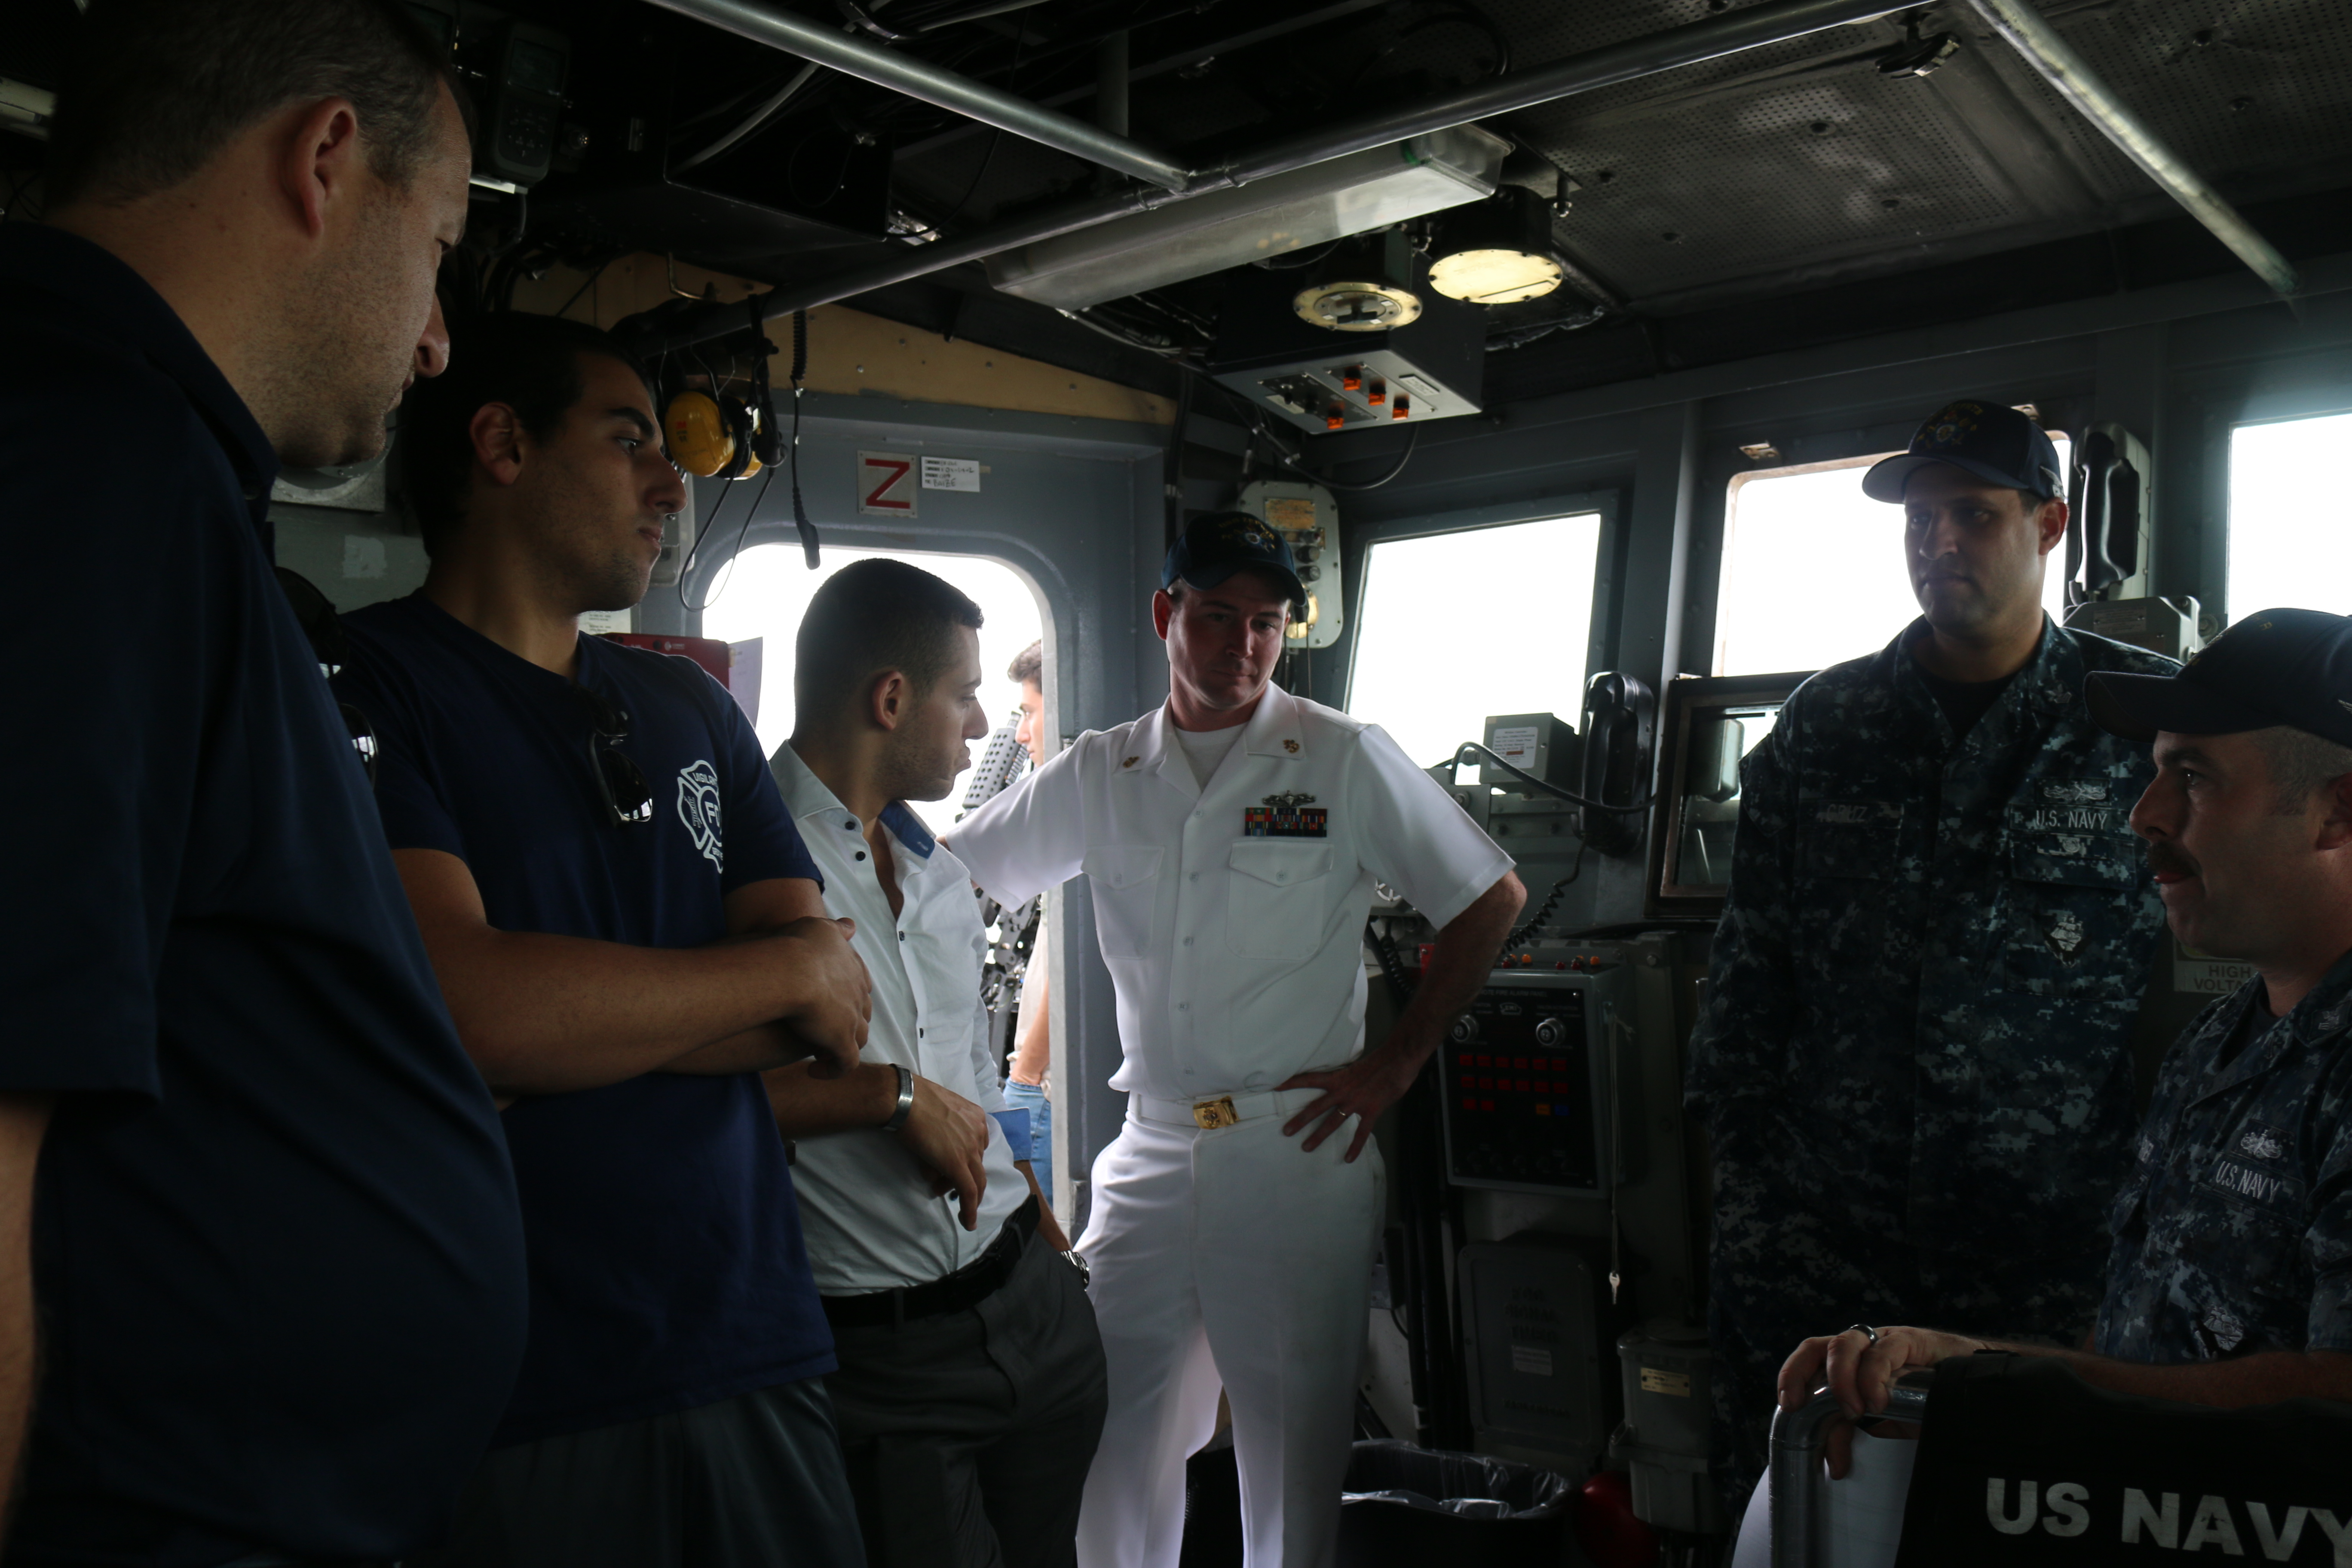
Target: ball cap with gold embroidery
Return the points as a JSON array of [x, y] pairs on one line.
[[2275, 667], [1213, 548], [1991, 440]]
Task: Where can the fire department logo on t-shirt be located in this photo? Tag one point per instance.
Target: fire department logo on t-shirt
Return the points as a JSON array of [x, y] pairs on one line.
[[698, 808]]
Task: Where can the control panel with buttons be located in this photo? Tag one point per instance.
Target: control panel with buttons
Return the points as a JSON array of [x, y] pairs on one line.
[[1527, 1074]]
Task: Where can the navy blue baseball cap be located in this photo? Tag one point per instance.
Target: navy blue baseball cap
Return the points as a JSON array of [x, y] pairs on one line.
[[1990, 440], [2275, 667], [1213, 548]]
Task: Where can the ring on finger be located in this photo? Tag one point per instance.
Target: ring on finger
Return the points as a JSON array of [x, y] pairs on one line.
[[1864, 1330]]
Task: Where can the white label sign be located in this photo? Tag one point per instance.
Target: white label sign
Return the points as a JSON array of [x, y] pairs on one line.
[[1516, 745], [1530, 1360], [951, 474], [2205, 975], [886, 484]]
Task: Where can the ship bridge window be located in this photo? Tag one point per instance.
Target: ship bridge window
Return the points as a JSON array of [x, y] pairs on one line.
[[1455, 626], [2290, 523], [1813, 572], [769, 589]]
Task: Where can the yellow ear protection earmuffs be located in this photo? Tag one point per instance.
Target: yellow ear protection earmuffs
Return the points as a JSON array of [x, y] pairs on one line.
[[742, 425], [700, 440], [713, 437]]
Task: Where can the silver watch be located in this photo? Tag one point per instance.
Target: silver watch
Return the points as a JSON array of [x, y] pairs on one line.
[[906, 1106], [1078, 1261]]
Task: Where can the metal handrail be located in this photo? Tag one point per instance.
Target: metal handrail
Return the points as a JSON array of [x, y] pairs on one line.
[[2040, 46], [1800, 1503], [1728, 32]]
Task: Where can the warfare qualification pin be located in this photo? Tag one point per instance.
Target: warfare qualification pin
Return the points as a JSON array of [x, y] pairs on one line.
[[1285, 816]]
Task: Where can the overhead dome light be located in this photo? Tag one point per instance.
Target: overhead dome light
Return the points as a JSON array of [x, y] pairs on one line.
[[1357, 307], [1499, 276], [1497, 252]]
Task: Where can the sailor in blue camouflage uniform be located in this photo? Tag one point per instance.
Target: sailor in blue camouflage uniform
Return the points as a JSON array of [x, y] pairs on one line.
[[1914, 1060], [2230, 1280]]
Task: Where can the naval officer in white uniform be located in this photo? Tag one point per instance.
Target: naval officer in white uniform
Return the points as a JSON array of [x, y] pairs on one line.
[[1231, 840]]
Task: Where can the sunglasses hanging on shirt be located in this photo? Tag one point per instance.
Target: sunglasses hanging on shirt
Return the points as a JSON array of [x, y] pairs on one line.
[[628, 799], [315, 613]]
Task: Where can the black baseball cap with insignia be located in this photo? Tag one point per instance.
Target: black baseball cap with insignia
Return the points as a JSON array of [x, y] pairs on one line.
[[1991, 440], [2275, 667], [1215, 546]]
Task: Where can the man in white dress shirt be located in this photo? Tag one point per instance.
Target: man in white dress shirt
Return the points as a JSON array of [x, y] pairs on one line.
[[970, 1389], [1231, 840]]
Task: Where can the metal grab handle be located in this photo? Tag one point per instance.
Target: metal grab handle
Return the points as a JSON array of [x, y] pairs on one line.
[[1799, 1502]]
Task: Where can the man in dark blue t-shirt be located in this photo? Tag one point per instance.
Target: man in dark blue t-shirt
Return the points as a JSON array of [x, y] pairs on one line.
[[628, 930], [279, 1263]]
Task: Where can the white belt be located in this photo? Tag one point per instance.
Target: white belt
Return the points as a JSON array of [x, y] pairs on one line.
[[1219, 1111]]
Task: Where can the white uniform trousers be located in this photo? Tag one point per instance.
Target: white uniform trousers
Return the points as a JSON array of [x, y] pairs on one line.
[[1228, 1256]]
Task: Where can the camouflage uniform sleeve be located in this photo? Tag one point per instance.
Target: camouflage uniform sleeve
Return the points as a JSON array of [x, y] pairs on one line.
[[2328, 1242], [1740, 1042]]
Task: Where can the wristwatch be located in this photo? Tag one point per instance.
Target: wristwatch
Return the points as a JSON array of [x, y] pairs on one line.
[[906, 1106], [1077, 1260]]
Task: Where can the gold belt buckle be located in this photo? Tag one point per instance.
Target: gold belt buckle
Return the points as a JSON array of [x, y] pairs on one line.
[[1212, 1114]]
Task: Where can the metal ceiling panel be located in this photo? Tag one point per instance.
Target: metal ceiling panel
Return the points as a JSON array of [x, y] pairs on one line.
[[2235, 87], [1749, 178]]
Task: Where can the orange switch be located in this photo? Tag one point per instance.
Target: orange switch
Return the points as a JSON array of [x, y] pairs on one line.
[[1403, 409], [1378, 395], [1352, 378], [1333, 417]]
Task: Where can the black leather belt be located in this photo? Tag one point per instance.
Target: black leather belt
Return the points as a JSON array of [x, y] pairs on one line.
[[967, 1287]]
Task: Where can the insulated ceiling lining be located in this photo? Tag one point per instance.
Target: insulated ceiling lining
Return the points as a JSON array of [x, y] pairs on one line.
[[2288, 62], [1783, 172]]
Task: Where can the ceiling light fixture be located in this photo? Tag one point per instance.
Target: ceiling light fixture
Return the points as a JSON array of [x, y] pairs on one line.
[[1288, 213]]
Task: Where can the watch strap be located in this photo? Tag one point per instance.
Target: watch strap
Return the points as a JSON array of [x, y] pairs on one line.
[[906, 1106]]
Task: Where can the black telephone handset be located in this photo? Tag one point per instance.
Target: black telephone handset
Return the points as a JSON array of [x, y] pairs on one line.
[[1621, 721]]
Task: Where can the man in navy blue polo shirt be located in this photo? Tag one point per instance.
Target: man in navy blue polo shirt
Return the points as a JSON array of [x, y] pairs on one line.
[[274, 1256], [628, 928]]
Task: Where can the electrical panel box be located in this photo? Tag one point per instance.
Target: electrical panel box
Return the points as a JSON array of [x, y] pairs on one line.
[[1536, 1336], [1665, 1371], [1539, 743], [1433, 367], [2169, 627], [1531, 1102], [1306, 515]]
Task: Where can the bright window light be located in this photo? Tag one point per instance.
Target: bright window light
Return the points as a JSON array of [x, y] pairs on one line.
[[770, 589], [1813, 572], [1521, 595], [2290, 522]]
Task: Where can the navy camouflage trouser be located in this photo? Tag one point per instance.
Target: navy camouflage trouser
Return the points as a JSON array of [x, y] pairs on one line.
[[1790, 1259]]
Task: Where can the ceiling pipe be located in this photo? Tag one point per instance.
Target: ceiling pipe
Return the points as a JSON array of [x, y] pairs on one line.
[[857, 56], [2062, 68], [1724, 33]]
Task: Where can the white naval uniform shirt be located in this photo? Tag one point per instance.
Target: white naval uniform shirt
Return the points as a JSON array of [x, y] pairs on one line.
[[1238, 960], [869, 1215]]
